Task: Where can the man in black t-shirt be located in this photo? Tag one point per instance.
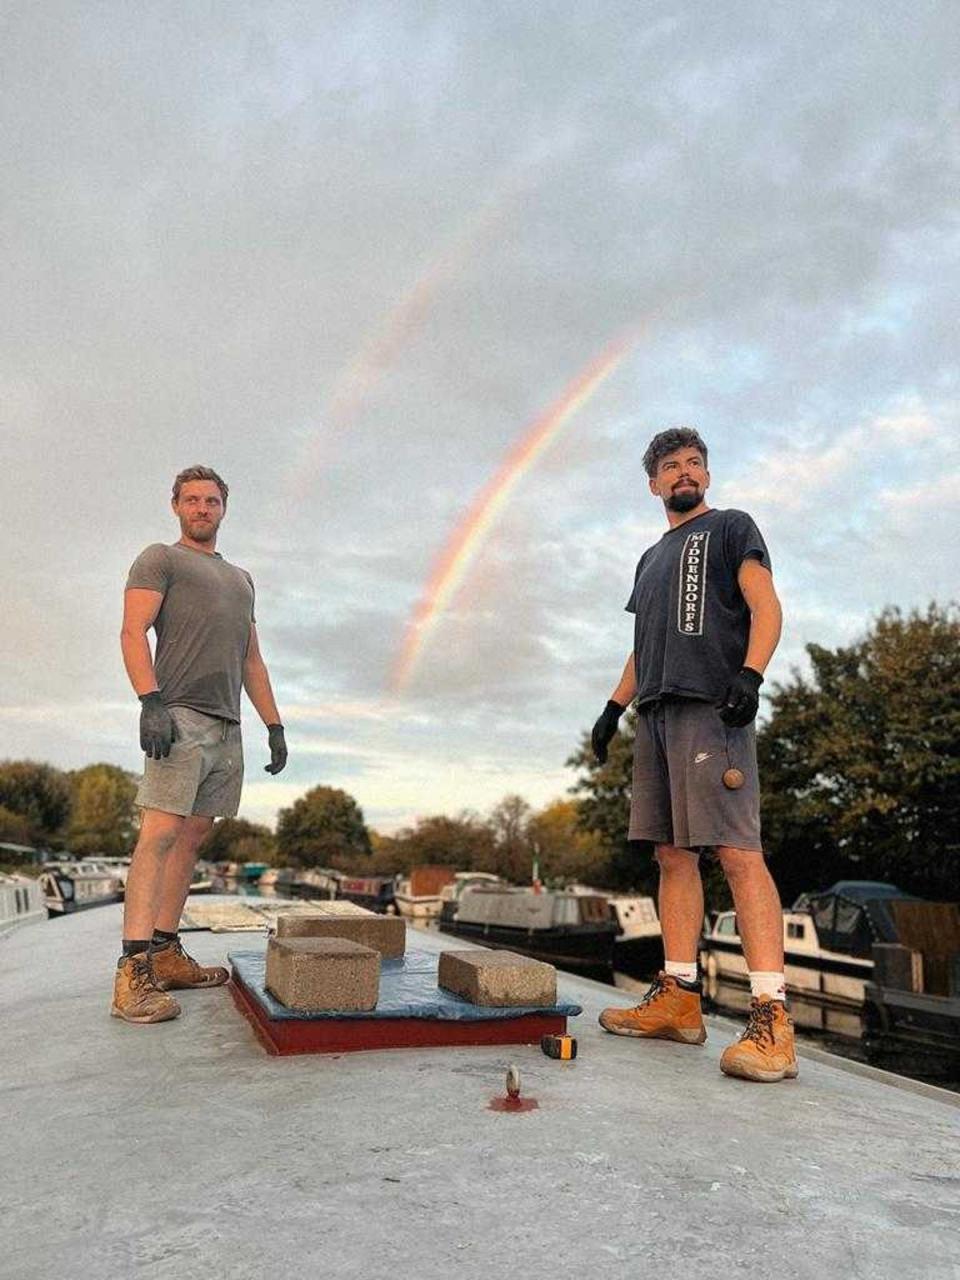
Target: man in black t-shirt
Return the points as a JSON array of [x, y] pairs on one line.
[[707, 621]]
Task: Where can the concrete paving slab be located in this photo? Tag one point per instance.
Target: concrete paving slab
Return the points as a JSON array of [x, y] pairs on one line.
[[182, 1150]]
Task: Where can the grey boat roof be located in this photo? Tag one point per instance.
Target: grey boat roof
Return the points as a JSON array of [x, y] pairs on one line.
[[183, 1150]]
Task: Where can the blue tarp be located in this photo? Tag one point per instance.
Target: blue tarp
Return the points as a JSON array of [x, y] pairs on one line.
[[408, 989]]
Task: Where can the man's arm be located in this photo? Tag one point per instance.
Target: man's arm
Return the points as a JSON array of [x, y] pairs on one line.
[[256, 681], [766, 616], [626, 690], [140, 608]]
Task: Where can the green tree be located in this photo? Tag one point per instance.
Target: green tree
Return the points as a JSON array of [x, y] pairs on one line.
[[860, 762], [103, 816], [14, 827], [324, 827], [603, 809], [237, 840], [40, 794]]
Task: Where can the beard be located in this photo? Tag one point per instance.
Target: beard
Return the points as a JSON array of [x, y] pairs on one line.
[[200, 530], [684, 499]]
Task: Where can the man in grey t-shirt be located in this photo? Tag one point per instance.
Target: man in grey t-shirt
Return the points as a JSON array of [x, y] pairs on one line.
[[707, 621], [201, 609]]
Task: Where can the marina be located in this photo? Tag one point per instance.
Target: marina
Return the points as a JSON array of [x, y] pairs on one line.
[[637, 1156]]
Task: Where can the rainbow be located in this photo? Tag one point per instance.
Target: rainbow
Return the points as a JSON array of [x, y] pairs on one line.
[[461, 550]]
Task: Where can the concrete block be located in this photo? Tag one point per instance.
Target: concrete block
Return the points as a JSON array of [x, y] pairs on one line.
[[499, 978], [386, 934], [323, 974]]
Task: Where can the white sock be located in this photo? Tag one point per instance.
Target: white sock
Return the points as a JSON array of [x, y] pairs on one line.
[[768, 984], [685, 970]]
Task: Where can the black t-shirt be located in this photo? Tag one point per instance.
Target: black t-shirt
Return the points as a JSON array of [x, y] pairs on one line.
[[692, 622]]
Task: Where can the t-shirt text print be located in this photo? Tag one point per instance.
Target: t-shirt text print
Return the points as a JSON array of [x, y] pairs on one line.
[[693, 573], [692, 623]]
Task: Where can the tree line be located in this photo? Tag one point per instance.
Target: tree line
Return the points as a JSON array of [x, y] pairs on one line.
[[859, 769]]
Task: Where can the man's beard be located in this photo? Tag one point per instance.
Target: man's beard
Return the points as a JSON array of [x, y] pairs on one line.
[[199, 530], [682, 500]]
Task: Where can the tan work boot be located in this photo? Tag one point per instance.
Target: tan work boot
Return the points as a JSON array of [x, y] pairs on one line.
[[766, 1050], [173, 969], [669, 1011], [136, 997]]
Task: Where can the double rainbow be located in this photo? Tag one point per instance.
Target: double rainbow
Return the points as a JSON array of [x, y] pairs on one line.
[[462, 547]]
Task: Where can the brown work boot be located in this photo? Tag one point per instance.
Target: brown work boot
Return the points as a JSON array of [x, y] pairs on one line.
[[136, 997], [669, 1011], [766, 1050], [173, 969]]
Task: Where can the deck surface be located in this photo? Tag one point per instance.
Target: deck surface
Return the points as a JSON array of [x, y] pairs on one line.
[[184, 1150]]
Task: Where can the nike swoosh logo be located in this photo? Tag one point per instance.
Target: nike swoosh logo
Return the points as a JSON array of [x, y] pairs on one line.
[[701, 756]]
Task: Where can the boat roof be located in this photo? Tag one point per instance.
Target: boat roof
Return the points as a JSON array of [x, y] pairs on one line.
[[184, 1150], [862, 890]]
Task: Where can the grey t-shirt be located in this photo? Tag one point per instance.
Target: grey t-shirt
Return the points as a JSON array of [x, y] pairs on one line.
[[692, 622], [203, 627]]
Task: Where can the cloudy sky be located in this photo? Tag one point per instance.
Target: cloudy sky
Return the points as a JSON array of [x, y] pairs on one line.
[[347, 253]]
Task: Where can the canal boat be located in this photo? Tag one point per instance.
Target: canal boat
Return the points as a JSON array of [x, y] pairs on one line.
[[376, 893], [573, 930], [418, 893], [21, 901], [67, 888]]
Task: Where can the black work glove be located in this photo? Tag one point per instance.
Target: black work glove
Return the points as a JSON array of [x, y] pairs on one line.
[[605, 728], [157, 730], [740, 702], [278, 749]]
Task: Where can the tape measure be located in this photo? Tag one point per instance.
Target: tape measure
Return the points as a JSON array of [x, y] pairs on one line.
[[563, 1047]]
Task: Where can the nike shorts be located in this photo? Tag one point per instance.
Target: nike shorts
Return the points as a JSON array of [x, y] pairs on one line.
[[202, 775], [678, 796]]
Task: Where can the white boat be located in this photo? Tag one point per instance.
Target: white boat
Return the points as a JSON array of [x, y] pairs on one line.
[[418, 894], [21, 901], [67, 887]]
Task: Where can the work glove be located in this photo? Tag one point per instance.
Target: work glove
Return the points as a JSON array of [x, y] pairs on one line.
[[740, 702], [605, 728], [157, 730], [278, 749]]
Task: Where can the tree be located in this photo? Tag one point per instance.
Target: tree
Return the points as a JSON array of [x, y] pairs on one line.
[[564, 850], [14, 827], [514, 853], [860, 763], [40, 794], [237, 840], [324, 827], [463, 841], [603, 809], [103, 816]]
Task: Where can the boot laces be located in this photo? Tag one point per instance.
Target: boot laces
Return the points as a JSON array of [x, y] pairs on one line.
[[655, 990], [760, 1025], [141, 972]]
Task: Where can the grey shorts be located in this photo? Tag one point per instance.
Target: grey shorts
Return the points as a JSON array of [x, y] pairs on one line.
[[202, 775], [678, 797]]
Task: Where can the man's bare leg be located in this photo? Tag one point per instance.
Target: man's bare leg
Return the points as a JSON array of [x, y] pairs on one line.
[[177, 872], [680, 903], [158, 834], [759, 914]]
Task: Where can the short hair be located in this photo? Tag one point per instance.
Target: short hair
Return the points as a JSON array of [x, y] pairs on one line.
[[199, 473], [669, 441]]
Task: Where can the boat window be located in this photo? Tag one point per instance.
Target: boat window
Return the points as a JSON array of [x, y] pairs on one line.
[[795, 930], [727, 924]]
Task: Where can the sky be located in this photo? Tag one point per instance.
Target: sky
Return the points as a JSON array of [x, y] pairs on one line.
[[352, 254]]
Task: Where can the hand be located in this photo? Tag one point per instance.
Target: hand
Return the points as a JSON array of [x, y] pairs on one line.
[[157, 730], [740, 702], [605, 729], [278, 749]]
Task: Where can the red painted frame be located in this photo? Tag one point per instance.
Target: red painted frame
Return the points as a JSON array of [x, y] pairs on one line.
[[347, 1035]]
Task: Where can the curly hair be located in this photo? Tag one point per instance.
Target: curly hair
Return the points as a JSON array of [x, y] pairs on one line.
[[199, 473], [669, 441]]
